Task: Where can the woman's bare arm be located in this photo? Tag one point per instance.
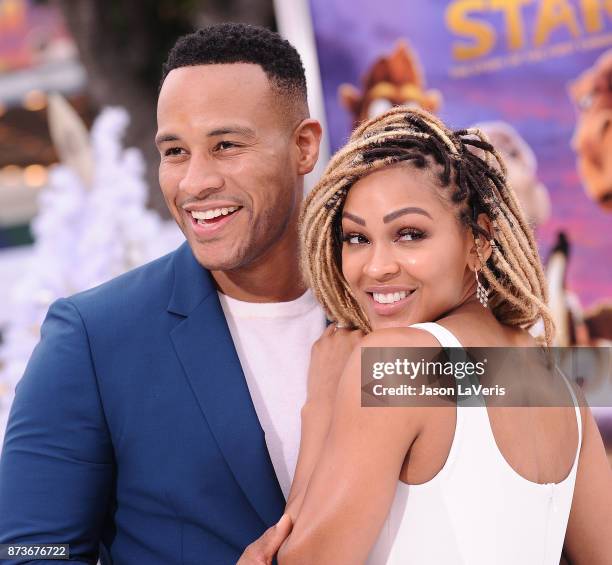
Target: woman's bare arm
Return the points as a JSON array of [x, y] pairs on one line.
[[355, 476], [316, 422], [588, 539], [329, 356]]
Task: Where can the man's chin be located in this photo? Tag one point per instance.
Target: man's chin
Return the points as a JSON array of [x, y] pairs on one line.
[[212, 265], [217, 259]]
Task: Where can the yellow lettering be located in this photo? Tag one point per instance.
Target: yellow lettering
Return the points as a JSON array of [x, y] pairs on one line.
[[591, 15], [552, 14], [514, 21], [482, 34], [591, 12]]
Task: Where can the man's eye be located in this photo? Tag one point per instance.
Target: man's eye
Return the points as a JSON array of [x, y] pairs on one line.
[[354, 238], [172, 151], [411, 235], [225, 145]]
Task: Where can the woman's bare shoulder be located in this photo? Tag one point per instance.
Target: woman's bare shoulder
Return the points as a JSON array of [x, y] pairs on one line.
[[399, 337], [484, 330]]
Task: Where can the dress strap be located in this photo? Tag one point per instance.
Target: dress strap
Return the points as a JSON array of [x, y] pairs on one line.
[[576, 408], [456, 353], [442, 334]]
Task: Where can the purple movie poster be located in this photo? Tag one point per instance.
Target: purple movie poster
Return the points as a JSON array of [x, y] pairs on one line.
[[533, 74]]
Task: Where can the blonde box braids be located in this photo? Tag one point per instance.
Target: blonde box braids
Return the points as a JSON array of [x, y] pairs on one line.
[[513, 273]]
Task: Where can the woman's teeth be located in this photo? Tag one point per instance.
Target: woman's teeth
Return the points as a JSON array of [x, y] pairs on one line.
[[212, 214], [389, 298]]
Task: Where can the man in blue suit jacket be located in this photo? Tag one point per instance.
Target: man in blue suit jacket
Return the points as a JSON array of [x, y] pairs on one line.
[[133, 436]]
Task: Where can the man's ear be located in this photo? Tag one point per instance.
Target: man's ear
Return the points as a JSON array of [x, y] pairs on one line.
[[481, 248], [307, 139]]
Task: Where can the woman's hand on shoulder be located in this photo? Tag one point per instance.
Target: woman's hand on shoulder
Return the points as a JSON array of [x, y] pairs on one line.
[[331, 352], [328, 358]]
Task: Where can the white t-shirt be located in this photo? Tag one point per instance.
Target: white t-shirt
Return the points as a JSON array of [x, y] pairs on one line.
[[273, 341]]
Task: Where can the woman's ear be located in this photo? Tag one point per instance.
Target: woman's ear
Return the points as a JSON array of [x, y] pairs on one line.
[[482, 247]]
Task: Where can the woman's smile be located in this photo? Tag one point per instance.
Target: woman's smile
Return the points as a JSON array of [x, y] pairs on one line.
[[389, 300]]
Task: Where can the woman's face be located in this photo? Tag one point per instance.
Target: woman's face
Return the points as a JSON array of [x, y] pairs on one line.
[[405, 254]]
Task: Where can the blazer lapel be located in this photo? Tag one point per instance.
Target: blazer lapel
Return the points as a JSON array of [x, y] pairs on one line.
[[205, 348]]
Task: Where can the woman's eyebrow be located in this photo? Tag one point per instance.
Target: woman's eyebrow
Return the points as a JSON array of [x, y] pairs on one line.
[[354, 218], [410, 210], [389, 217]]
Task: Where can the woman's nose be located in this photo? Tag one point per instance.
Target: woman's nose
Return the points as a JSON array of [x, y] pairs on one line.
[[382, 263]]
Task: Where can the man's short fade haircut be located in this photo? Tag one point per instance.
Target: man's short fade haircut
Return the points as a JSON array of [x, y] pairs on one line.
[[242, 43]]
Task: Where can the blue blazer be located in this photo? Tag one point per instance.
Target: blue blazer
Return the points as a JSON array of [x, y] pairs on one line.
[[133, 433]]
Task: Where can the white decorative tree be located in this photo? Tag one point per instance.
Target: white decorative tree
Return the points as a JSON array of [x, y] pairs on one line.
[[92, 225]]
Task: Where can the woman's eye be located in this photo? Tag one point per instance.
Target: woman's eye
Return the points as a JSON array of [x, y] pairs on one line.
[[411, 235], [172, 151], [354, 238]]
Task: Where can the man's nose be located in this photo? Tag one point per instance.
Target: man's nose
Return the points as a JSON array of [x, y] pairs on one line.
[[201, 177], [382, 263]]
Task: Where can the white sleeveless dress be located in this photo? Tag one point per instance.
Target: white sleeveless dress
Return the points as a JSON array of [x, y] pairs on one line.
[[477, 510]]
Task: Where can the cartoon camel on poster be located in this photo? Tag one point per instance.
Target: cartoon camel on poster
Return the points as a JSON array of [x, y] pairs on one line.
[[392, 80]]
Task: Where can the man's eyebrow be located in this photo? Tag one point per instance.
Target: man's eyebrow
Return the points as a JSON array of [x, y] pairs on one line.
[[238, 130], [354, 218], [165, 137], [409, 210]]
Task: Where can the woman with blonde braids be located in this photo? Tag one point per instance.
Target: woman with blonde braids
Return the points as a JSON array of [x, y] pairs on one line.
[[412, 238]]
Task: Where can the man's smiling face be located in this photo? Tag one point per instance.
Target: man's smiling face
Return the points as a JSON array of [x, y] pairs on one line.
[[228, 168]]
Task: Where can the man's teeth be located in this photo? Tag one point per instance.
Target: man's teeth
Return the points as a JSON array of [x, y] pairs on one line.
[[212, 214], [389, 298]]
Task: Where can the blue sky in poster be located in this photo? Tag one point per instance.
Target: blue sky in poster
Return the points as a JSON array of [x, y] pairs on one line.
[[532, 96]]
